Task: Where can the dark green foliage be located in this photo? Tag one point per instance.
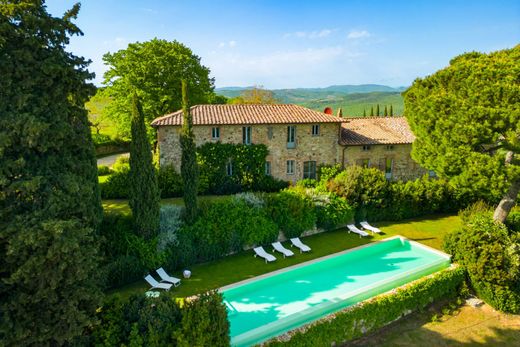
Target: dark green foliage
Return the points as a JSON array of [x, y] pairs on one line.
[[116, 186], [491, 255], [170, 182], [154, 70], [49, 200], [292, 212], [377, 110], [391, 111], [189, 167], [364, 113], [372, 111], [386, 111], [513, 221], [144, 192], [333, 212], [466, 118], [222, 227], [380, 311], [163, 321], [103, 170]]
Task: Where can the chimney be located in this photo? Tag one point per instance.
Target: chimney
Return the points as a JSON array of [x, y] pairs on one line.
[[327, 110], [340, 112]]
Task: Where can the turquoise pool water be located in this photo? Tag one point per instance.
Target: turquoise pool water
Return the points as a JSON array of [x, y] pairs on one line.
[[272, 304]]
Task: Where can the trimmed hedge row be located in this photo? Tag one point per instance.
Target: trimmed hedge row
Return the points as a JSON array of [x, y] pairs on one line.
[[375, 313]]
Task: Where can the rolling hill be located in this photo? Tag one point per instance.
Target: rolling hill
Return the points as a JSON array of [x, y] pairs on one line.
[[353, 99]]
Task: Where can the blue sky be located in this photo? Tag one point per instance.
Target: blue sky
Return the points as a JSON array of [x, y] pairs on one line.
[[289, 44]]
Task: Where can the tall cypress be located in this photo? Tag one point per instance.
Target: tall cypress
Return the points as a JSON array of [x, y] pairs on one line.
[[386, 111], [372, 111], [364, 113], [391, 111], [144, 192], [377, 110], [49, 202], [189, 167]]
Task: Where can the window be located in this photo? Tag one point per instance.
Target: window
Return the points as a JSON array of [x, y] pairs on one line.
[[229, 168], [215, 133], [246, 135], [291, 136], [316, 130], [389, 147], [268, 168], [290, 167], [270, 133], [388, 168], [309, 169], [366, 148]]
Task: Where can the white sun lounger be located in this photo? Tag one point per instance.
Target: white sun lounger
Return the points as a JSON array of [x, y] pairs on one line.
[[167, 278], [299, 244], [367, 226], [277, 246], [259, 251], [156, 285], [354, 229]]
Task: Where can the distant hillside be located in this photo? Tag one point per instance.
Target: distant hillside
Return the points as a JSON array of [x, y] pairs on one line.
[[353, 99]]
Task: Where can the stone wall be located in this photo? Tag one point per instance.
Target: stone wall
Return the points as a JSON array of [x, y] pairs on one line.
[[403, 166], [323, 149]]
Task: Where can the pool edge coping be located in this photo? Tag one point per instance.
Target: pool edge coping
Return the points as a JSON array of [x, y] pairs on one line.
[[312, 261]]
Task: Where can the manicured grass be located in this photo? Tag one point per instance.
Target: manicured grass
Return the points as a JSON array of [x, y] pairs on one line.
[[428, 230]]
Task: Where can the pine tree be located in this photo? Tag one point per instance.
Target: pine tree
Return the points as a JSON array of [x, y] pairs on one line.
[[364, 113], [189, 167], [377, 110], [372, 111], [144, 192], [49, 205], [386, 112], [391, 111]]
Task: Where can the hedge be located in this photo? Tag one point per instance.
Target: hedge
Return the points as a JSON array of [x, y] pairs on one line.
[[370, 315]]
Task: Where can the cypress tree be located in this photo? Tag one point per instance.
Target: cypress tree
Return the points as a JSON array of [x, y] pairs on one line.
[[364, 113], [189, 167], [144, 191], [49, 202], [377, 110], [372, 111], [391, 111], [386, 112]]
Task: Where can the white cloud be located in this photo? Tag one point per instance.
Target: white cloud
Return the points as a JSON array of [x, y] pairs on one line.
[[358, 34], [310, 34], [230, 44]]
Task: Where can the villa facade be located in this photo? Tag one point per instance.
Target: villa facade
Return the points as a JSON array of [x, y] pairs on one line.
[[299, 139]]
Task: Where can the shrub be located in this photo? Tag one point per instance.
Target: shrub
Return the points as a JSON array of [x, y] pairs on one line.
[[513, 221], [103, 170], [292, 212], [333, 212], [162, 321], [122, 270], [169, 181], [169, 224], [492, 257], [122, 164], [116, 186], [379, 311], [307, 183]]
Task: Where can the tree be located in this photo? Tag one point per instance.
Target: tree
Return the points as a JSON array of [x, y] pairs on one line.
[[372, 111], [256, 95], [154, 70], [386, 111], [466, 118], [49, 200], [377, 110], [364, 113], [189, 167], [144, 192], [391, 111]]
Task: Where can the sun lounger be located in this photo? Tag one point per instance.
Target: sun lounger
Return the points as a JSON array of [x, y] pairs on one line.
[[167, 278], [367, 226], [156, 285], [277, 246], [259, 251], [354, 229], [296, 242]]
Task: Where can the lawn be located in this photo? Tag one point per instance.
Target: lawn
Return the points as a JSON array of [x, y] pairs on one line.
[[428, 230]]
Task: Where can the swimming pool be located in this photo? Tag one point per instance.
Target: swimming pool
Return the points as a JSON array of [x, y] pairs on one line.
[[272, 304]]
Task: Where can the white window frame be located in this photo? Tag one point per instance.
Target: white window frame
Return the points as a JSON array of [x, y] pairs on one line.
[[290, 167], [315, 130], [291, 136], [247, 133], [215, 133]]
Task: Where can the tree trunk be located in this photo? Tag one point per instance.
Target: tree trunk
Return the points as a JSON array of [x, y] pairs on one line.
[[509, 199]]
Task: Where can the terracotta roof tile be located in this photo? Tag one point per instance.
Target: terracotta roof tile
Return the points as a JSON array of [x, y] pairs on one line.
[[376, 130], [248, 114]]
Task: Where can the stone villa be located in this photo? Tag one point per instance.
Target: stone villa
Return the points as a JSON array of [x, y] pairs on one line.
[[299, 139]]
